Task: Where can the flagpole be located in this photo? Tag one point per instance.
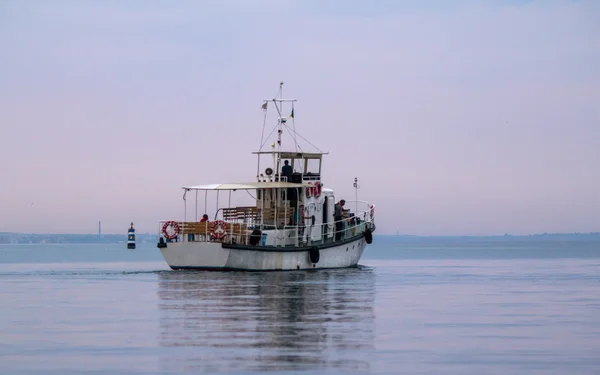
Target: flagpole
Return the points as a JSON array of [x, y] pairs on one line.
[[356, 193]]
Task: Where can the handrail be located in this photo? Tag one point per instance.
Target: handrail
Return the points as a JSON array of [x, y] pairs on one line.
[[363, 220], [217, 213], [359, 201]]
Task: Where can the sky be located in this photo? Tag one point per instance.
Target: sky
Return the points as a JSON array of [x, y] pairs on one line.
[[458, 117]]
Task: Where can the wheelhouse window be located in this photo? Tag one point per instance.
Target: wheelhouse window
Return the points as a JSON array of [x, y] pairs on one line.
[[298, 166], [313, 169]]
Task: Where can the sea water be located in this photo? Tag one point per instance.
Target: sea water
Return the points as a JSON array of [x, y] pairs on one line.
[[414, 306]]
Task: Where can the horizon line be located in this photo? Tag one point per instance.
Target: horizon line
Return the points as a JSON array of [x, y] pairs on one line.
[[378, 234]]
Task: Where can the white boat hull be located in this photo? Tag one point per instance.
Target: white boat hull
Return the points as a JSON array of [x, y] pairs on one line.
[[211, 255]]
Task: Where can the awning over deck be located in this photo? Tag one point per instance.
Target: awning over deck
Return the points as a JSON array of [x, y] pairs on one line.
[[247, 186]]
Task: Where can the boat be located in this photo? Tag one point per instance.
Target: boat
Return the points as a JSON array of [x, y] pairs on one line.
[[292, 220]]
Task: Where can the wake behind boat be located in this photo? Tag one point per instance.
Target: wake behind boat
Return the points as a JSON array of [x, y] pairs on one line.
[[292, 221]]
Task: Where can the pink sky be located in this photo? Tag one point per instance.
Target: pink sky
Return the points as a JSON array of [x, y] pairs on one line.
[[471, 118]]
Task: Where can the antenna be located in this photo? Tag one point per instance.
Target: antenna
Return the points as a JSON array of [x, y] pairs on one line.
[[356, 187]]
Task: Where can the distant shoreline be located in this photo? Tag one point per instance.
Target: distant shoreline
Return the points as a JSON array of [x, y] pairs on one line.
[[45, 238], [386, 234]]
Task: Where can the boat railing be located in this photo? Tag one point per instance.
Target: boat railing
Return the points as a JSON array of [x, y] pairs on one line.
[[238, 229], [335, 231], [275, 177]]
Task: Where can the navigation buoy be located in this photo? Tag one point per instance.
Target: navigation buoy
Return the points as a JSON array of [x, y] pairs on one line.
[[131, 237]]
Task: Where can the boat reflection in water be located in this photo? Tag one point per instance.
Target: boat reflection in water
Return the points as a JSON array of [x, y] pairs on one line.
[[215, 321]]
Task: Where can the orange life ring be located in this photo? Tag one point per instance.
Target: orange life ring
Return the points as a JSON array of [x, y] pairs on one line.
[[309, 190], [218, 229], [176, 229]]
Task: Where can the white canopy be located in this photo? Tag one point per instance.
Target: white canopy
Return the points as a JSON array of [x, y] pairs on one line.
[[247, 186], [294, 155]]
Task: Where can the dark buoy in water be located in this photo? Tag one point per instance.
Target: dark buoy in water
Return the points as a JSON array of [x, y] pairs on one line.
[[131, 237]]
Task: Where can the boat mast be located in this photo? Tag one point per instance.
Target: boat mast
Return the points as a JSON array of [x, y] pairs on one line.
[[280, 124], [277, 158], [278, 101], [280, 121]]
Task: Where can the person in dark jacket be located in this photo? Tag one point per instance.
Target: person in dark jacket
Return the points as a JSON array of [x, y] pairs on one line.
[[286, 171], [338, 215]]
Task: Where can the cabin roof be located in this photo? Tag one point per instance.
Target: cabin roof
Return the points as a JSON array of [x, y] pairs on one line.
[[294, 154], [247, 186]]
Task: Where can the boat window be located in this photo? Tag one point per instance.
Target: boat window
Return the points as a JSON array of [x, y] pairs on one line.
[[298, 165], [313, 166]]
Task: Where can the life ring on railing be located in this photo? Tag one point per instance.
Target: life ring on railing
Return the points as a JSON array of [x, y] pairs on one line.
[[317, 189], [309, 190], [176, 229], [372, 211], [218, 229]]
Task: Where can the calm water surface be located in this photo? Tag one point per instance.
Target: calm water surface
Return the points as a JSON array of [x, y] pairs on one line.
[[423, 306]]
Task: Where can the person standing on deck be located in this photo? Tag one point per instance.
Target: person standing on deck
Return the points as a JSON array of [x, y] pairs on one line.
[[203, 228], [338, 214], [286, 171]]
